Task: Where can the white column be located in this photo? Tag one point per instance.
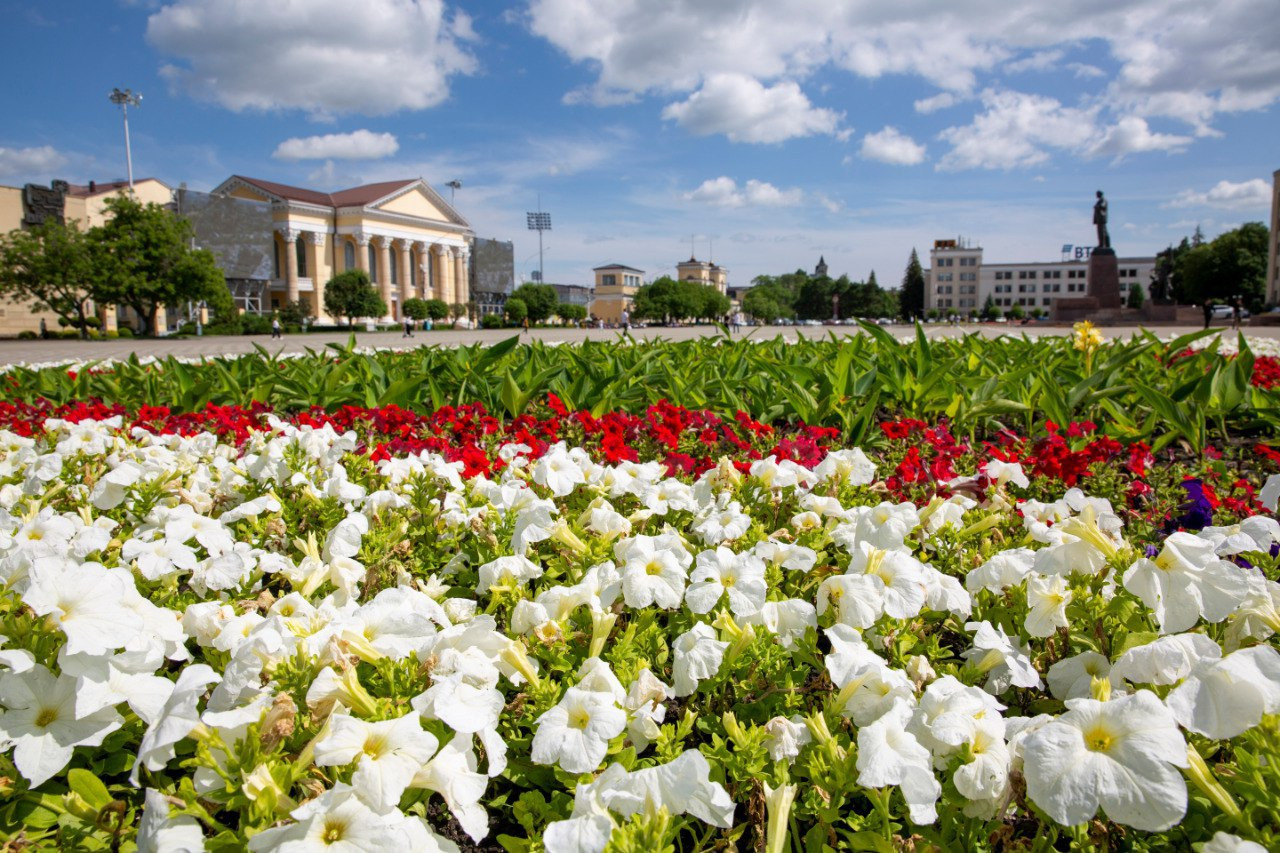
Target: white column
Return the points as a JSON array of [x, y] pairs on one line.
[[406, 274], [290, 237], [362, 254], [462, 256], [424, 270], [315, 240], [442, 282], [384, 272]]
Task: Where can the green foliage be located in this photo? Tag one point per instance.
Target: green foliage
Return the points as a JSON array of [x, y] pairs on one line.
[[989, 309], [540, 300], [1016, 312], [517, 310], [491, 321], [415, 309], [666, 299], [142, 257], [295, 313], [437, 309], [911, 298], [1134, 389], [1232, 263], [351, 294], [571, 313], [48, 267], [1136, 296]]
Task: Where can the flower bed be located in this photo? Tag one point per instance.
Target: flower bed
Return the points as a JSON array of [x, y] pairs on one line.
[[373, 628]]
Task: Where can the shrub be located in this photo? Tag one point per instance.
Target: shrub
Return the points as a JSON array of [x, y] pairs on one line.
[[254, 324], [415, 309], [491, 321], [124, 332], [516, 310], [27, 335]]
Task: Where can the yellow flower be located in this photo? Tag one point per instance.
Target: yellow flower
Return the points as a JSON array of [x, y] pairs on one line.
[[1087, 337]]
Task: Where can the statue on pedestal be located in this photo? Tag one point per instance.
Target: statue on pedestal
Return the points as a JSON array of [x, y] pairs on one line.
[[1100, 220]]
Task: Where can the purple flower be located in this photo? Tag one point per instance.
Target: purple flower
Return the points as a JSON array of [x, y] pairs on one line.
[[1197, 513]]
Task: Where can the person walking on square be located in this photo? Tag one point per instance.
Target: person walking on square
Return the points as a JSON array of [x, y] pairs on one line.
[[275, 327], [626, 320], [1237, 308], [525, 325], [1207, 307], [408, 327]]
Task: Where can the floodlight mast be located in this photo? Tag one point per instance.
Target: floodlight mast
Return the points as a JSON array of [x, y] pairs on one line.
[[539, 222], [453, 186], [125, 99]]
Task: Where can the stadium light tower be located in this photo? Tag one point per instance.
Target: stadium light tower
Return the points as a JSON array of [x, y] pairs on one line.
[[540, 222], [453, 186], [126, 99]]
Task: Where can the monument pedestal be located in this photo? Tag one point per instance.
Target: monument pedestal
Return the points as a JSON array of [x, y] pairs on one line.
[[1104, 279]]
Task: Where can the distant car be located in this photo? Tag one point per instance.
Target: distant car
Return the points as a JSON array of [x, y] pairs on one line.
[[1223, 312], [884, 321]]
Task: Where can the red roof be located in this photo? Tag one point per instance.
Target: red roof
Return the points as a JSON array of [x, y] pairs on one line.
[[354, 197]]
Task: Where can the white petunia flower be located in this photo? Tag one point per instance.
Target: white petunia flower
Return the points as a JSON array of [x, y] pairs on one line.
[[1005, 660], [888, 754], [85, 600], [337, 820], [697, 656], [1166, 660], [788, 620], [511, 569], [158, 832], [575, 733], [786, 737], [386, 753], [654, 570], [41, 722], [847, 467], [1001, 571], [1047, 600], [1187, 582], [1072, 678], [1121, 756], [1224, 698], [177, 718], [721, 572]]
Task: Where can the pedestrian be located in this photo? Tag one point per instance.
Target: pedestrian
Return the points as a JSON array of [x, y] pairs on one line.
[[275, 327], [626, 320], [44, 329], [1207, 307], [524, 325], [1237, 308], [408, 327]]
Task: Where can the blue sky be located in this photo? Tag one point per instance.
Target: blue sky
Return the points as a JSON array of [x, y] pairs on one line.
[[761, 133]]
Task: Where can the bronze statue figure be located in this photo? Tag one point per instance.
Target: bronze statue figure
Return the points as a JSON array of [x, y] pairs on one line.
[[1100, 220]]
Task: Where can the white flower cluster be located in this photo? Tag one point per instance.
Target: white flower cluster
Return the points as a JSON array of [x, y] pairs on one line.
[[168, 591]]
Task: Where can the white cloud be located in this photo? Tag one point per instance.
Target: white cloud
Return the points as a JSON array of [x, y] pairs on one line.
[[1254, 194], [1018, 129], [373, 58], [940, 101], [1132, 135], [30, 163], [891, 146], [725, 192], [1042, 60], [1180, 59], [744, 110], [357, 145]]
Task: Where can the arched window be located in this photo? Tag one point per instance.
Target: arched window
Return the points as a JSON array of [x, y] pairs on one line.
[[300, 246], [275, 258], [373, 262], [348, 255], [395, 271]]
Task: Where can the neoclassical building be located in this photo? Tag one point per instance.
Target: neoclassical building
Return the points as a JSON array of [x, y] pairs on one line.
[[703, 272], [403, 233]]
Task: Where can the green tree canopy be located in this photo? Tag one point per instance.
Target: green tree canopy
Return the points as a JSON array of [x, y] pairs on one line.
[[571, 313], [911, 296], [517, 310], [48, 266], [437, 309], [350, 294], [540, 299], [1234, 262], [142, 258], [415, 309]]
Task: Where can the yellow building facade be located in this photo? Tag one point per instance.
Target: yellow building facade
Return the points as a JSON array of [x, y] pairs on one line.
[[703, 272], [409, 240], [86, 205], [615, 291]]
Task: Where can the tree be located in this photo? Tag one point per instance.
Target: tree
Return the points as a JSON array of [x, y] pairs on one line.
[[571, 313], [517, 310], [1136, 296], [437, 309], [415, 309], [48, 266], [350, 294], [1233, 263], [1016, 312], [911, 297], [989, 309], [814, 300], [762, 303], [657, 300], [540, 299], [142, 257]]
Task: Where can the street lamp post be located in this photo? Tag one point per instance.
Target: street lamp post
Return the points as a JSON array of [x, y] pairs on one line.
[[540, 222], [126, 99], [453, 186]]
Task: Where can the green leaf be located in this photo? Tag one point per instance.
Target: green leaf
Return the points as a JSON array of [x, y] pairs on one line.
[[89, 787]]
